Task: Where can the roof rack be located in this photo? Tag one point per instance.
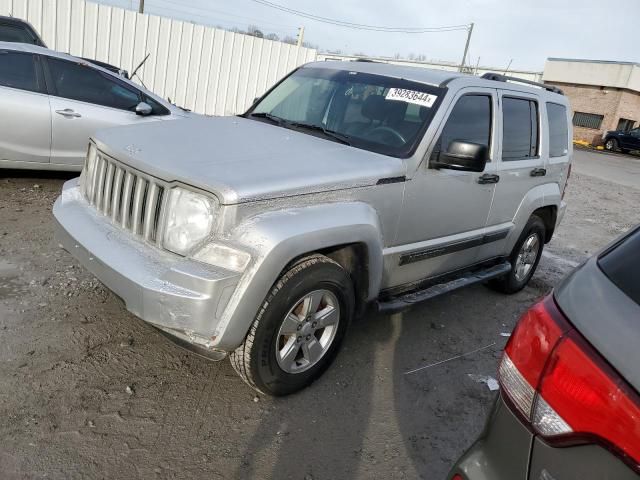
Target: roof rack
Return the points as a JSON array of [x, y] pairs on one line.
[[497, 77]]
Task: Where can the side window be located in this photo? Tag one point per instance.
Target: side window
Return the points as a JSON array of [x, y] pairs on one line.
[[156, 107], [469, 121], [11, 33], [635, 132], [83, 83], [18, 70], [519, 129], [558, 140]]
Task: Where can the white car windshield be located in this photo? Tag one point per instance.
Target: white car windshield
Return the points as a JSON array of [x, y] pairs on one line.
[[373, 112]]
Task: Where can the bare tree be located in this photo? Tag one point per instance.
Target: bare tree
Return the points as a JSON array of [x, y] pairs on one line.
[[254, 31]]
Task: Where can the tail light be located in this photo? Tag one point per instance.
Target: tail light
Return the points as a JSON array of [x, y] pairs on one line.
[[557, 383], [564, 190]]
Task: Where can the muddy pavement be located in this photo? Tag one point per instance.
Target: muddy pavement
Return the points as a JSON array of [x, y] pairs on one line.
[[89, 391]]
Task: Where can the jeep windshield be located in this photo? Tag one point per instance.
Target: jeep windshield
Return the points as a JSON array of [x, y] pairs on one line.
[[372, 112]]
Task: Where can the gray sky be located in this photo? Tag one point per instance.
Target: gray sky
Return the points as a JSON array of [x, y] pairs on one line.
[[527, 31]]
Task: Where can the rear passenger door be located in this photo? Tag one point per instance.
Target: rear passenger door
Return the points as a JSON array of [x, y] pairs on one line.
[[521, 164], [25, 119]]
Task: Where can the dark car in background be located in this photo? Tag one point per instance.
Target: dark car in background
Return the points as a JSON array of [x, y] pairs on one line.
[[568, 406], [624, 141], [17, 30]]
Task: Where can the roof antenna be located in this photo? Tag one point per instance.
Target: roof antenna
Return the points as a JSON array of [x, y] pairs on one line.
[[135, 70], [507, 69]]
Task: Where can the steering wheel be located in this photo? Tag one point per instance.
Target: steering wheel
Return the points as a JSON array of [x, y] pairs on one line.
[[394, 133]]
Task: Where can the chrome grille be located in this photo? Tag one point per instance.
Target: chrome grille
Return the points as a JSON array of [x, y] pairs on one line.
[[130, 199]]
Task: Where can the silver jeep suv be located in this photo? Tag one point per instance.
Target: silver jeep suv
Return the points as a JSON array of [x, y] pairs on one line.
[[347, 184]]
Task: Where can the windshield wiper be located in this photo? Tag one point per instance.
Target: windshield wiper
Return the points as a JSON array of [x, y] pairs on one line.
[[272, 118], [340, 137]]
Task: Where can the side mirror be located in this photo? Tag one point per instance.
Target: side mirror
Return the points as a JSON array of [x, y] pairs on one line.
[[143, 109], [464, 156]]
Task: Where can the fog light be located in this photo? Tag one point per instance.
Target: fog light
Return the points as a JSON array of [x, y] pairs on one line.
[[223, 256]]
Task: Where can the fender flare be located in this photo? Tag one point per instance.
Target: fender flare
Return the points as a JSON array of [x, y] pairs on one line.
[[275, 239], [545, 195]]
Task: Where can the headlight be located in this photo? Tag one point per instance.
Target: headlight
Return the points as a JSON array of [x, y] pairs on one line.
[[88, 172], [189, 220]]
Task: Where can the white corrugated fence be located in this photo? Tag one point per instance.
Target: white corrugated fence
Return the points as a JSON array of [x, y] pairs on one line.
[[207, 70]]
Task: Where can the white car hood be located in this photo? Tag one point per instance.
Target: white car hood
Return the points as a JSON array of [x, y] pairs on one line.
[[243, 160]]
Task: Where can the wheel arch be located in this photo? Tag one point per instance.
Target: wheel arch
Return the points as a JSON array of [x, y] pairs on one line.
[[354, 258], [548, 214]]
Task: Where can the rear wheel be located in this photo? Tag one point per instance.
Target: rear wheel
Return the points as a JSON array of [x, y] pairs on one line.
[[297, 332], [524, 258], [611, 145]]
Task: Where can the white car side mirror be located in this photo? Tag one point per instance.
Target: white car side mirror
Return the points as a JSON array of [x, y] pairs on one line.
[[143, 109]]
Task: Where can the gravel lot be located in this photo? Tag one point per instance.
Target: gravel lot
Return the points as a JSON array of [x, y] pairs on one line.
[[89, 391]]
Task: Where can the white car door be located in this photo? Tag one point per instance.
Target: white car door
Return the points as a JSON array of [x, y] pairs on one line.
[[25, 118], [84, 100]]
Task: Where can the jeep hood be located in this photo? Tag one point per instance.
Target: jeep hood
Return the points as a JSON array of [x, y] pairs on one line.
[[243, 160]]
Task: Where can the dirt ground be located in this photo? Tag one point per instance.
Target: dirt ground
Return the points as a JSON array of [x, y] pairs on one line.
[[89, 391]]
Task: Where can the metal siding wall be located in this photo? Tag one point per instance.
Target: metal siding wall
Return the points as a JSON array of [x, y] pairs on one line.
[[205, 69]]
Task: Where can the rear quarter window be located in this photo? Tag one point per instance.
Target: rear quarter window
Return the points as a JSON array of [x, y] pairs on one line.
[[558, 130], [621, 264]]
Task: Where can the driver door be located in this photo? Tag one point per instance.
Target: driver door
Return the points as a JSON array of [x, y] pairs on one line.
[[84, 100], [445, 212]]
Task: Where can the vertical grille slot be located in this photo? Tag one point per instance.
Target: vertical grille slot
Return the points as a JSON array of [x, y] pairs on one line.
[[102, 166], [116, 201], [131, 200], [108, 185], [136, 207], [155, 232]]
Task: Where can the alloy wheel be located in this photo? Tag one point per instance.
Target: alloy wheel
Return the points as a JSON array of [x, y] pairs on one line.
[[527, 256], [307, 331]]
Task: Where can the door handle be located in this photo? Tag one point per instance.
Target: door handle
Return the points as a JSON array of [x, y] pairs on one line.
[[538, 172], [67, 112], [488, 178]]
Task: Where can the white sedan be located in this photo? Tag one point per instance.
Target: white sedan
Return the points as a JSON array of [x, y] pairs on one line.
[[51, 103]]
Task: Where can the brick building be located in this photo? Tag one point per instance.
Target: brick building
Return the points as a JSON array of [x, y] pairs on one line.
[[604, 95]]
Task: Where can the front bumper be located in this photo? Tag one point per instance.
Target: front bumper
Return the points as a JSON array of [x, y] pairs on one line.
[[180, 296]]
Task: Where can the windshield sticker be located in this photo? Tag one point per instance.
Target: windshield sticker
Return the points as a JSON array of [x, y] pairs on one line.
[[411, 96]]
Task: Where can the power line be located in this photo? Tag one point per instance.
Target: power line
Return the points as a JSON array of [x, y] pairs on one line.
[[209, 20], [361, 26], [223, 13]]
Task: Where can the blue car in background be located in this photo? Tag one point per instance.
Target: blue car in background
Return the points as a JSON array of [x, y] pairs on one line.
[[624, 141]]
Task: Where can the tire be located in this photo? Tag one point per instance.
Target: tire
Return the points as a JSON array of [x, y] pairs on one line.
[[611, 145], [260, 360], [517, 279]]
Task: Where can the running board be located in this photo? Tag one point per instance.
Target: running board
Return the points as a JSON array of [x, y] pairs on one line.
[[403, 302]]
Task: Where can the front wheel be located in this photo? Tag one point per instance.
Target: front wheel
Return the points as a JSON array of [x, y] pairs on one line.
[[298, 330], [524, 258], [611, 145]]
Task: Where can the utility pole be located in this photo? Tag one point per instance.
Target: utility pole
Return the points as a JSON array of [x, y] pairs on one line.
[[300, 36], [466, 47], [141, 7]]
